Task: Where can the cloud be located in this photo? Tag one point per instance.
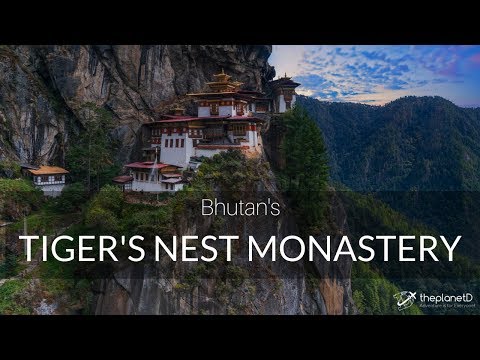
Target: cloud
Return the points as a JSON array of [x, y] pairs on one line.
[[376, 74], [475, 59]]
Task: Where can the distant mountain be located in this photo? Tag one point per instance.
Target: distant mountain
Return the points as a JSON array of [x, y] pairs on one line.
[[420, 155], [413, 143]]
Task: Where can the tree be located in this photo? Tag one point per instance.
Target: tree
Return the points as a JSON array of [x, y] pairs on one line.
[[9, 266], [91, 157], [306, 171], [72, 197], [104, 212]]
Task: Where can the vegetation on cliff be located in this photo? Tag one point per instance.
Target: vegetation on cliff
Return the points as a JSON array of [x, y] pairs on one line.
[[368, 215], [91, 157], [17, 198], [304, 176]]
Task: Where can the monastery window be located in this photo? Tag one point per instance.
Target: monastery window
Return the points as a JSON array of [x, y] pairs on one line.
[[58, 177], [214, 109], [238, 130], [182, 143], [45, 178], [166, 142], [171, 142], [176, 143]]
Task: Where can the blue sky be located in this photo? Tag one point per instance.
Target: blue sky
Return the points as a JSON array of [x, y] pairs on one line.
[[379, 74]]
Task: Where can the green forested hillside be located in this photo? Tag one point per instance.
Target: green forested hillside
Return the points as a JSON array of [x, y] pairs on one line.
[[420, 155], [422, 143]]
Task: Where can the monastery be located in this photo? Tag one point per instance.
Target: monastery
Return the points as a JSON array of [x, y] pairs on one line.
[[49, 179], [227, 118]]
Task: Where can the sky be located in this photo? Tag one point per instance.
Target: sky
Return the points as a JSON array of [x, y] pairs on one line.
[[376, 75]]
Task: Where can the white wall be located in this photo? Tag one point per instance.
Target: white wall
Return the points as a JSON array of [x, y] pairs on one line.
[[282, 107], [154, 187], [146, 186], [252, 138], [203, 111], [176, 155], [225, 110], [51, 178], [176, 187], [179, 186], [207, 152], [51, 187], [52, 190]]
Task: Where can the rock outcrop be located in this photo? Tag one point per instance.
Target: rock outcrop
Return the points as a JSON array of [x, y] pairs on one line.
[[262, 287], [43, 87]]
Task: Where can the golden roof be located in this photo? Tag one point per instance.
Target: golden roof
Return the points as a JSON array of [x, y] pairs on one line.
[[222, 77], [48, 170]]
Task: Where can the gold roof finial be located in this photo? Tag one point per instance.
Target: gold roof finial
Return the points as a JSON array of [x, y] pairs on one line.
[[223, 72]]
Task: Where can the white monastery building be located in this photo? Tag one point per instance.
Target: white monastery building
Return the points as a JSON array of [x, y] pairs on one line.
[[50, 179], [227, 118]]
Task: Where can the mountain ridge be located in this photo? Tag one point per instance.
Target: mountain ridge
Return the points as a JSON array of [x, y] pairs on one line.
[[401, 145]]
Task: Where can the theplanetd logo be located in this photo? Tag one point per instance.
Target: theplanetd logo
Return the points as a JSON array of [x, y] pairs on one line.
[[404, 299]]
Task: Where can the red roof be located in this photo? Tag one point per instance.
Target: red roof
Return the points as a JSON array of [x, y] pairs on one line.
[[179, 119], [147, 165], [176, 116], [122, 179], [214, 117], [187, 119], [246, 118], [214, 147], [172, 181]]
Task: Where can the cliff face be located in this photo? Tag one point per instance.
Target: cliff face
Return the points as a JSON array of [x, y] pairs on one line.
[[42, 88], [262, 287], [41, 91], [238, 287]]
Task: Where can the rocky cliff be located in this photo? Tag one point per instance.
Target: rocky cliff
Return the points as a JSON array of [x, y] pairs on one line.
[[240, 287], [43, 87]]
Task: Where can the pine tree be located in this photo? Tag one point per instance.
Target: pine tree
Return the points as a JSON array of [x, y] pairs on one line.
[[306, 169], [90, 157]]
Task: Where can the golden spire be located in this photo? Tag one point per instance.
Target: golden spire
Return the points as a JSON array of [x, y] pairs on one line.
[[222, 77]]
